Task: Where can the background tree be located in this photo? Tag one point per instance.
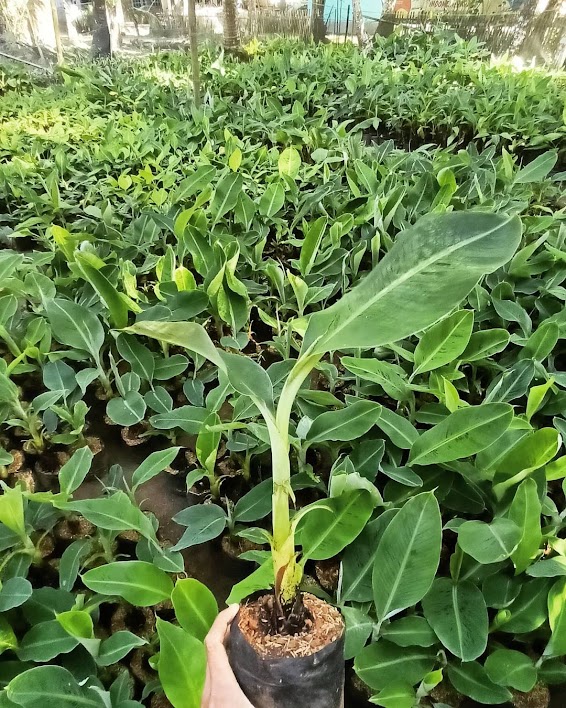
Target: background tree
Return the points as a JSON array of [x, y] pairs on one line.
[[231, 30], [252, 18], [101, 45], [193, 37], [359, 26], [318, 27]]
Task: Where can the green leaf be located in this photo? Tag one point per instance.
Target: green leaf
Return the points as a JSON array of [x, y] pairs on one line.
[[366, 457], [137, 355], [311, 244], [248, 378], [8, 639], [536, 397], [139, 583], [430, 268], [525, 511], [117, 646], [50, 686], [557, 619], [472, 680], [14, 592], [261, 579], [551, 568], [188, 418], [347, 423], [489, 543], [464, 432], [396, 695], [73, 472], [226, 195], [407, 556], [486, 343], [208, 442], [390, 377], [333, 524], [410, 631], [10, 669], [114, 513], [272, 200], [128, 410], [77, 623], [529, 610], [235, 159], [188, 335], [195, 183], [71, 560], [541, 342], [511, 311], [153, 465], [444, 342], [382, 663], [538, 169], [204, 522], [195, 607], [458, 615], [553, 672], [45, 641], [256, 504], [75, 325], [168, 368], [529, 454], [59, 376], [182, 665], [116, 303], [358, 560], [12, 510], [499, 590], [289, 163], [403, 475], [398, 429], [359, 626], [45, 602], [507, 667]]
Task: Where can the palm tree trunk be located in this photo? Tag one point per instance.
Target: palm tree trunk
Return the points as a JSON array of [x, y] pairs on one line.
[[359, 26], [252, 18], [101, 45], [231, 32], [57, 32], [318, 28], [193, 38]]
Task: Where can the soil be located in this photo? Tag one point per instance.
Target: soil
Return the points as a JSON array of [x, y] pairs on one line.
[[47, 468], [324, 626], [139, 620], [328, 573], [136, 434], [234, 546], [539, 697]]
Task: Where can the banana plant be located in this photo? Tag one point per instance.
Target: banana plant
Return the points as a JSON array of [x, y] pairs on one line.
[[430, 268]]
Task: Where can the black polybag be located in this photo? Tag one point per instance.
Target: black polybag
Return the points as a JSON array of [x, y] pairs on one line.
[[316, 681]]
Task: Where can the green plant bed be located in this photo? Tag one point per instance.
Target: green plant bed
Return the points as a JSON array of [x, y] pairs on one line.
[[345, 273]]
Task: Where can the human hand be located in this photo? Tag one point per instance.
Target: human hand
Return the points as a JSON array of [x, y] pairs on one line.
[[221, 688]]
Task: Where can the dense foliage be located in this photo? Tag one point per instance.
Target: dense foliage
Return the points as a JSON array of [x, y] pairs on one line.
[[433, 461]]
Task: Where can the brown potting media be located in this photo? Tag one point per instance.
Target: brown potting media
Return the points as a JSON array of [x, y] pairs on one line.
[[324, 626]]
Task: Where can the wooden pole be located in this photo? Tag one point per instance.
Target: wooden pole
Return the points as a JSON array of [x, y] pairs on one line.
[[57, 32], [193, 38]]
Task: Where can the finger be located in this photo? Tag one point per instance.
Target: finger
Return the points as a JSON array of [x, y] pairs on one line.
[[217, 633]]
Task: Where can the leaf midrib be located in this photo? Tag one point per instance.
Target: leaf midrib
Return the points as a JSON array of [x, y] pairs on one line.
[[463, 432], [404, 561], [410, 273]]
